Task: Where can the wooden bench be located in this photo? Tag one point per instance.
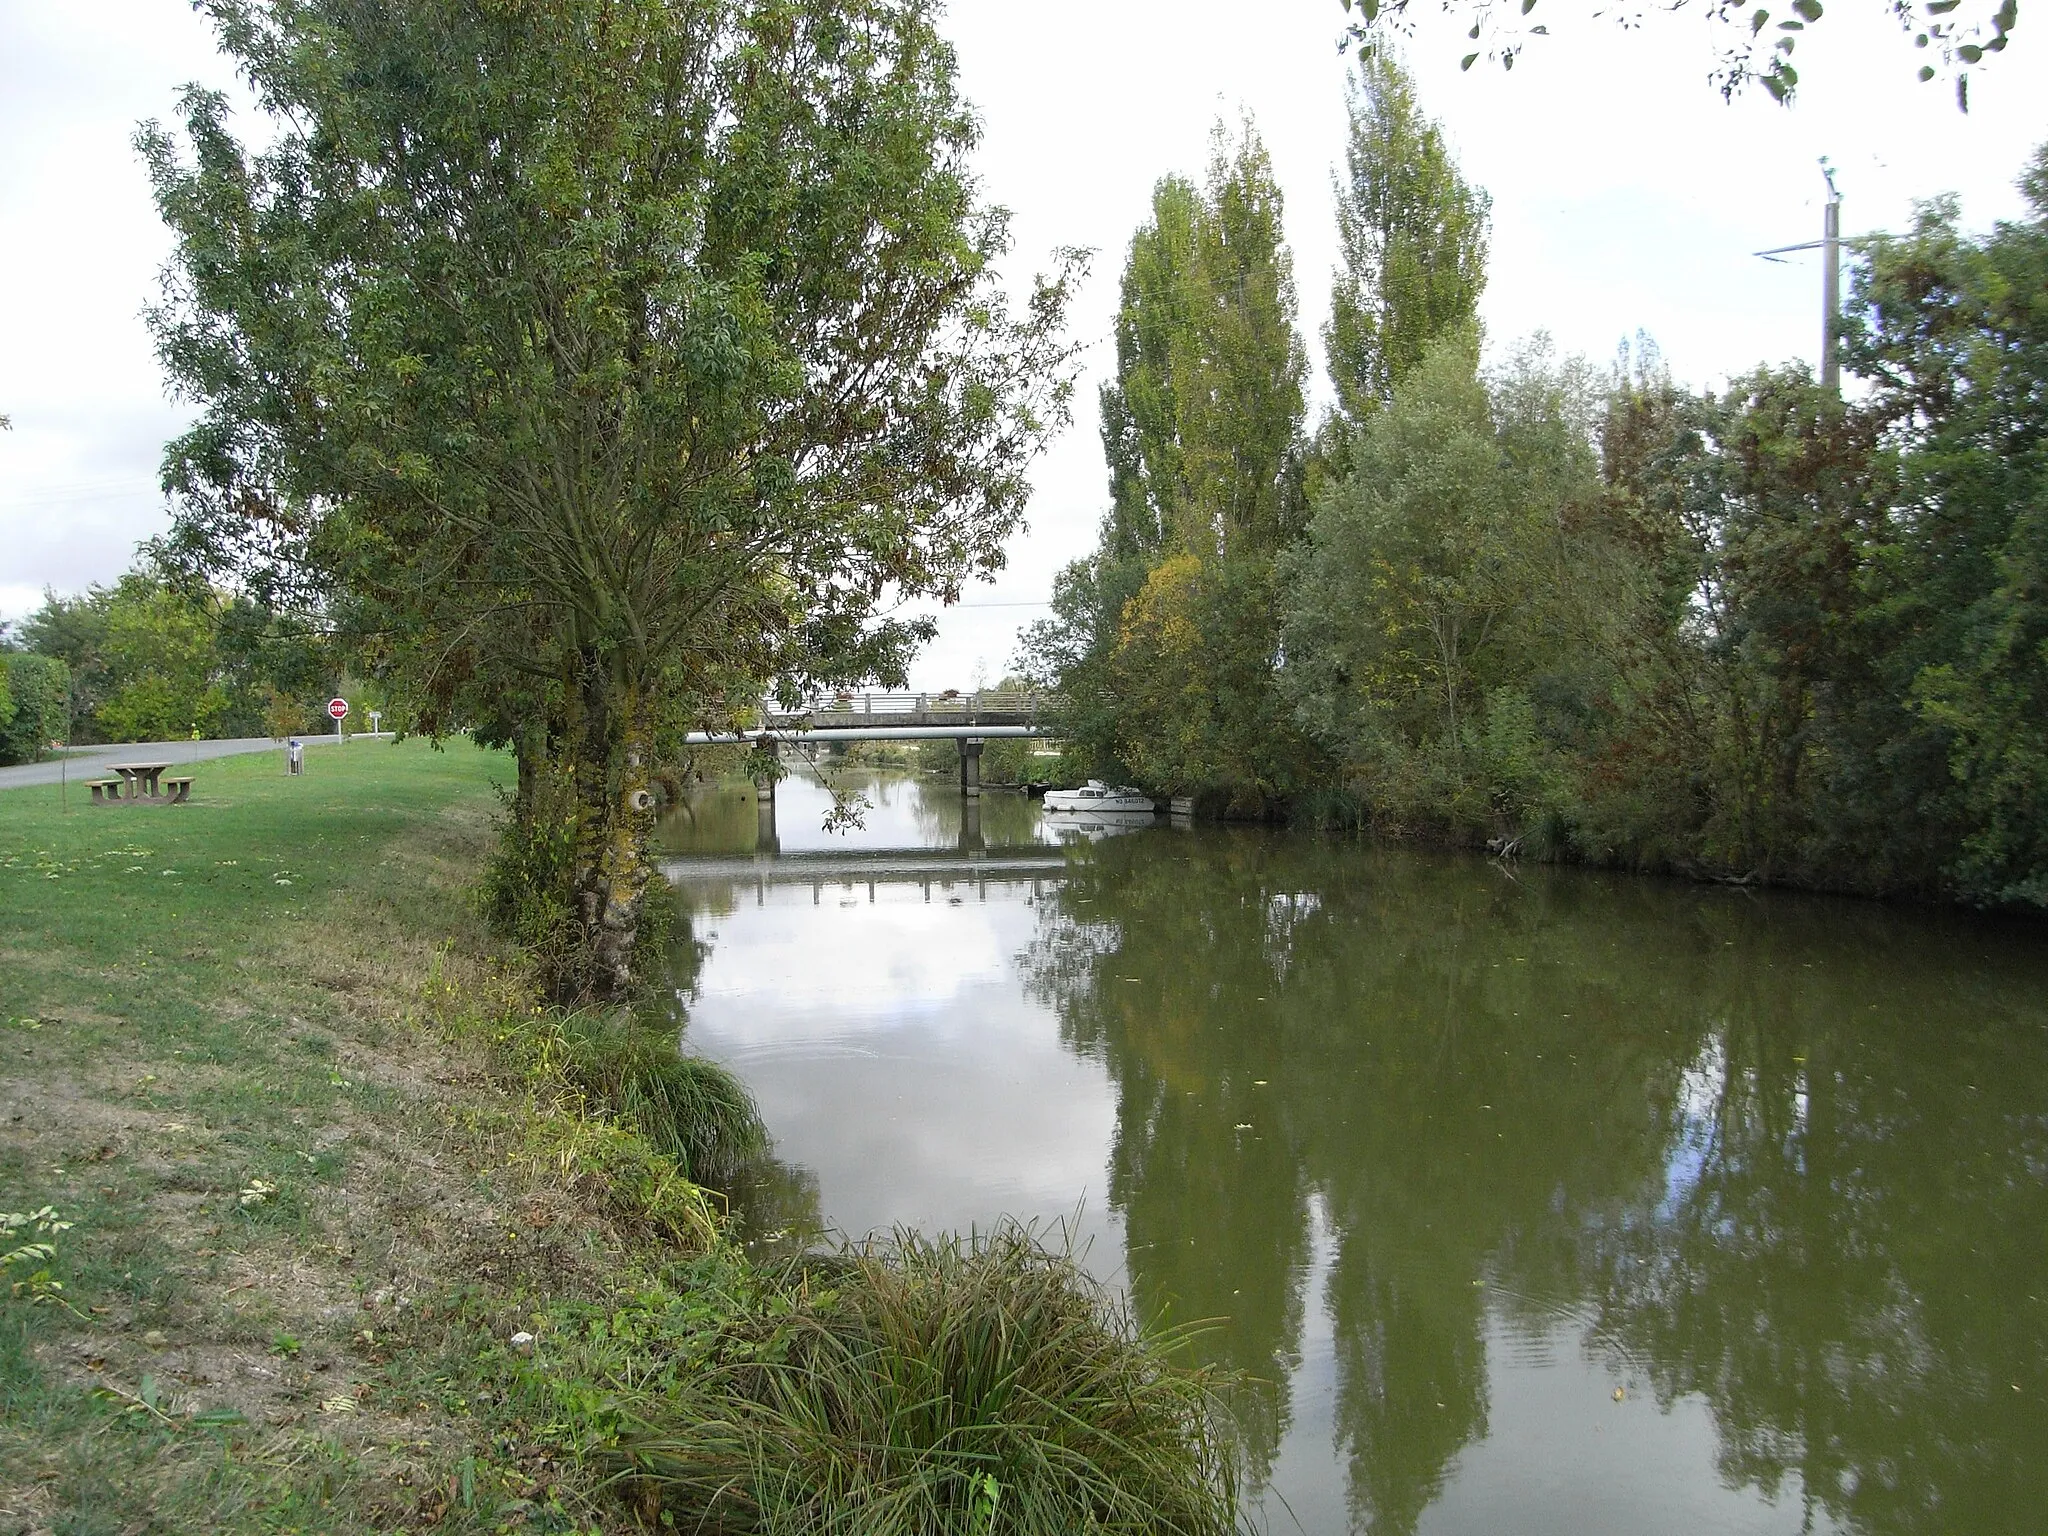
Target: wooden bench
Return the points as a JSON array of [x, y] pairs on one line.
[[105, 791], [176, 791]]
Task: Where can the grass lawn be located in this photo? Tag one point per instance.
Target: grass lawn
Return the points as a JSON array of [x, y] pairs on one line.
[[306, 1212]]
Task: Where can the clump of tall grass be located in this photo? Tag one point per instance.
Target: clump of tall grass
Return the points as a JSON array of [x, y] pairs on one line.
[[688, 1108], [927, 1386]]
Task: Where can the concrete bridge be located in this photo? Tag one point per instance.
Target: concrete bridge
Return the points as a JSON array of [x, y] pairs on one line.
[[966, 718]]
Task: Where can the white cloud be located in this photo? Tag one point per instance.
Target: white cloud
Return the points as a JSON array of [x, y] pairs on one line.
[[77, 372]]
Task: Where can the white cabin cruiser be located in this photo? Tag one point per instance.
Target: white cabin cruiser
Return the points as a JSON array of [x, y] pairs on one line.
[[1096, 796]]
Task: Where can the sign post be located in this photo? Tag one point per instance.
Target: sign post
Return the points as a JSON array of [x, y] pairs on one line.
[[338, 708]]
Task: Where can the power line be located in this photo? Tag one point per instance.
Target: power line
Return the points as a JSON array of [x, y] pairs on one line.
[[69, 496]]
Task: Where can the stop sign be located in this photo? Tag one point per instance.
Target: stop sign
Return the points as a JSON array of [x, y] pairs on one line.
[[338, 708]]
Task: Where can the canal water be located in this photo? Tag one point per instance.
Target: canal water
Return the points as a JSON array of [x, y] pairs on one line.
[[1528, 1200]]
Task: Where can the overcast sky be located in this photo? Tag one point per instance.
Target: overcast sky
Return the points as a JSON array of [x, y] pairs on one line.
[[1627, 196]]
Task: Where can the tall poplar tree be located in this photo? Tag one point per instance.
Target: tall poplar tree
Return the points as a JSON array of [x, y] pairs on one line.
[[1206, 407], [1163, 642], [1413, 233]]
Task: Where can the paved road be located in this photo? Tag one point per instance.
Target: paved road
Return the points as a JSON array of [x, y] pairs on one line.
[[93, 762]]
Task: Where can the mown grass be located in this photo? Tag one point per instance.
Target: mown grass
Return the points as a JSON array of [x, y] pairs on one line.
[[223, 1065], [364, 1238]]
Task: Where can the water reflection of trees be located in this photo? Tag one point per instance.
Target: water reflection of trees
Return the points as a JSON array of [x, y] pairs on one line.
[[1790, 1155]]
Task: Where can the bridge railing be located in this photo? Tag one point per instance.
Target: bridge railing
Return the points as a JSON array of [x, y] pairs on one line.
[[1028, 703]]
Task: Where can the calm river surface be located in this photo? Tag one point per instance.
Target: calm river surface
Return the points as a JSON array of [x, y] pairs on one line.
[[1538, 1200]]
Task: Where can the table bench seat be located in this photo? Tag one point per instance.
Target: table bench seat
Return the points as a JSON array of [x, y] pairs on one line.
[[105, 791], [177, 790]]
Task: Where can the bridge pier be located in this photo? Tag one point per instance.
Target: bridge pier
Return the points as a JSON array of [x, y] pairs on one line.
[[764, 784], [765, 839], [970, 767], [971, 841]]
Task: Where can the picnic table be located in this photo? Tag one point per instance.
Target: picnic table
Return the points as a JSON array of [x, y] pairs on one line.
[[139, 781], [140, 778]]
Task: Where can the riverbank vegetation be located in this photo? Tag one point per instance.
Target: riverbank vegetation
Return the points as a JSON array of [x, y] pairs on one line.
[[1501, 597], [950, 1384], [348, 1229]]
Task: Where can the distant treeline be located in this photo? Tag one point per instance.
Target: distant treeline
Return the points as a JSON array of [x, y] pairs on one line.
[[141, 660], [1765, 633]]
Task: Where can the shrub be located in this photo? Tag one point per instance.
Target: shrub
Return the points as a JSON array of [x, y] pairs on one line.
[[40, 688], [688, 1108], [928, 1386], [526, 886]]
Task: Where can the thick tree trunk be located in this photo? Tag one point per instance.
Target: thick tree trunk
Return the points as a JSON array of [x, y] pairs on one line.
[[615, 812]]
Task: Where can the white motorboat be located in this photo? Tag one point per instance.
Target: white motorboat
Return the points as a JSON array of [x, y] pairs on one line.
[[1096, 796]]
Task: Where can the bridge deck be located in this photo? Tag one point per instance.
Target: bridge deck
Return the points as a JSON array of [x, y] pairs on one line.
[[856, 710], [899, 717]]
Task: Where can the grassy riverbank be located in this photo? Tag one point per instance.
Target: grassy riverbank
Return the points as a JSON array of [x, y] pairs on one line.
[[345, 1237]]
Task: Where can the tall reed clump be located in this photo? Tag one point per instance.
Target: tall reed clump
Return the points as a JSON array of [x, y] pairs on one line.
[[928, 1386], [688, 1108]]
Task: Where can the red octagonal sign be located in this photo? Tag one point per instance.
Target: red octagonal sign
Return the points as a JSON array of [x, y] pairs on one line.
[[338, 708]]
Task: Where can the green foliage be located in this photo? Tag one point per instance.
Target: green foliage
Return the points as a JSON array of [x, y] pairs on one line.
[[1754, 43], [1072, 653], [1953, 334], [1759, 635], [165, 687], [1163, 643], [149, 661], [38, 712], [25, 1267], [528, 886], [1192, 674], [1430, 599], [1013, 760], [927, 1386], [1203, 414], [1413, 234]]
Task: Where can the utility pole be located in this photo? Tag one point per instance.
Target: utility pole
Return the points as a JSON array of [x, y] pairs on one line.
[[1830, 246], [1831, 285]]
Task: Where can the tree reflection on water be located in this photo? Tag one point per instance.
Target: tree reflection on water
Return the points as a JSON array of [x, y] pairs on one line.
[[1785, 1154]]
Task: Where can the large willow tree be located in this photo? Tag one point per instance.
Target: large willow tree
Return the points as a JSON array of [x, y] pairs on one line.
[[596, 360]]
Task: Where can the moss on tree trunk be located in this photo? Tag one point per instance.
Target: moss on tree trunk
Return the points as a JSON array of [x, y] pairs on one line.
[[614, 814]]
